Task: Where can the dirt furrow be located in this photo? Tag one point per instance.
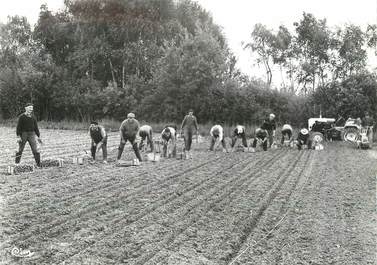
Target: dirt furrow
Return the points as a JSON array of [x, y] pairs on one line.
[[257, 243], [117, 195], [196, 185], [191, 214], [222, 229]]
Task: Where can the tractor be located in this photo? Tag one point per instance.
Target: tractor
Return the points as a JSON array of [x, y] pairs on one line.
[[355, 133]]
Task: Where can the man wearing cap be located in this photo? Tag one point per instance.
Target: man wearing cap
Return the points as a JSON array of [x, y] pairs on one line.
[[128, 131], [146, 133], [286, 131], [217, 133], [27, 131], [270, 126], [189, 125], [99, 140], [303, 139], [239, 132], [169, 138]]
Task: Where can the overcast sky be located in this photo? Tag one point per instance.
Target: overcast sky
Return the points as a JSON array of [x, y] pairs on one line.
[[237, 17]]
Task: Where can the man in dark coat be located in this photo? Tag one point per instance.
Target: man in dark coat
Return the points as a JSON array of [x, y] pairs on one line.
[[27, 131]]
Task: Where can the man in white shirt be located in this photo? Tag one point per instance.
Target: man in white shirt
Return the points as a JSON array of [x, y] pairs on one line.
[[286, 132], [217, 133], [145, 133], [239, 132], [169, 138]]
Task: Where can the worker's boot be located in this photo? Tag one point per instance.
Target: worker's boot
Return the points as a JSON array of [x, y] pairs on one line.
[[93, 151], [18, 157], [37, 157]]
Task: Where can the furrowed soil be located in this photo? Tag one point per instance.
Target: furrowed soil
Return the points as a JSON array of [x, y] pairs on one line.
[[282, 206]]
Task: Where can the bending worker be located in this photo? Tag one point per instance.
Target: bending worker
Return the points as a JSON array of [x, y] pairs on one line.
[[261, 135], [217, 133], [128, 131], [169, 138], [99, 140], [145, 132], [286, 131], [239, 132]]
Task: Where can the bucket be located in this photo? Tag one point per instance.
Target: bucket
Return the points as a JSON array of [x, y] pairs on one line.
[[318, 147], [153, 157], [10, 170]]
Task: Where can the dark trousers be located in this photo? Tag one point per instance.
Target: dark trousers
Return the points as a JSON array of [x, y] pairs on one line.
[[213, 141], [264, 142], [103, 147], [270, 138], [303, 141], [286, 133], [187, 136], [29, 137], [149, 138], [165, 148], [132, 140], [242, 136]]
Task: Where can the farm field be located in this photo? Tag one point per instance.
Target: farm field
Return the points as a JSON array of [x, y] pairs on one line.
[[278, 207]]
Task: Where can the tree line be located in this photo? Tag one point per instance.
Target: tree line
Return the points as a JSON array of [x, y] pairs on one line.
[[100, 59]]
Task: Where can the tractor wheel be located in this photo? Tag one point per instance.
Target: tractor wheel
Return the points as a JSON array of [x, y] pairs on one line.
[[317, 137], [351, 134]]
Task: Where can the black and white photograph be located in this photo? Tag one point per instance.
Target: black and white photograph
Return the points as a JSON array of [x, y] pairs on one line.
[[188, 132]]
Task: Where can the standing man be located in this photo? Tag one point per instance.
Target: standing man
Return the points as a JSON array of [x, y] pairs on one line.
[[217, 133], [239, 132], [128, 131], [27, 131], [367, 122], [99, 140], [286, 131], [189, 124], [270, 126], [145, 132], [169, 138]]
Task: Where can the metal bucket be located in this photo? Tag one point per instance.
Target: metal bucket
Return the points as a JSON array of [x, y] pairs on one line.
[[153, 157], [10, 170]]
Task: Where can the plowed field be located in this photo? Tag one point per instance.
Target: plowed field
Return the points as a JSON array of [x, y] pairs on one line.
[[277, 207]]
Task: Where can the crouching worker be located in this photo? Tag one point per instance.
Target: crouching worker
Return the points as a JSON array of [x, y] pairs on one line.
[[99, 140], [239, 132], [303, 139], [169, 138], [128, 131], [286, 133], [217, 133], [27, 131], [146, 133], [261, 136]]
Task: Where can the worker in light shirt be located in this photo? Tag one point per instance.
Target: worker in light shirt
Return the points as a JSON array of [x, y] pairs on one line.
[[239, 132], [145, 133], [128, 131], [169, 139], [217, 134], [286, 132]]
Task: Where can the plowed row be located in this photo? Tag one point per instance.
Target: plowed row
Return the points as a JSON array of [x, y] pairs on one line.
[[276, 207]]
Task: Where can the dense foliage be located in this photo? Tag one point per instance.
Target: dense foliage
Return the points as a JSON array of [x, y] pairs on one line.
[[103, 58]]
